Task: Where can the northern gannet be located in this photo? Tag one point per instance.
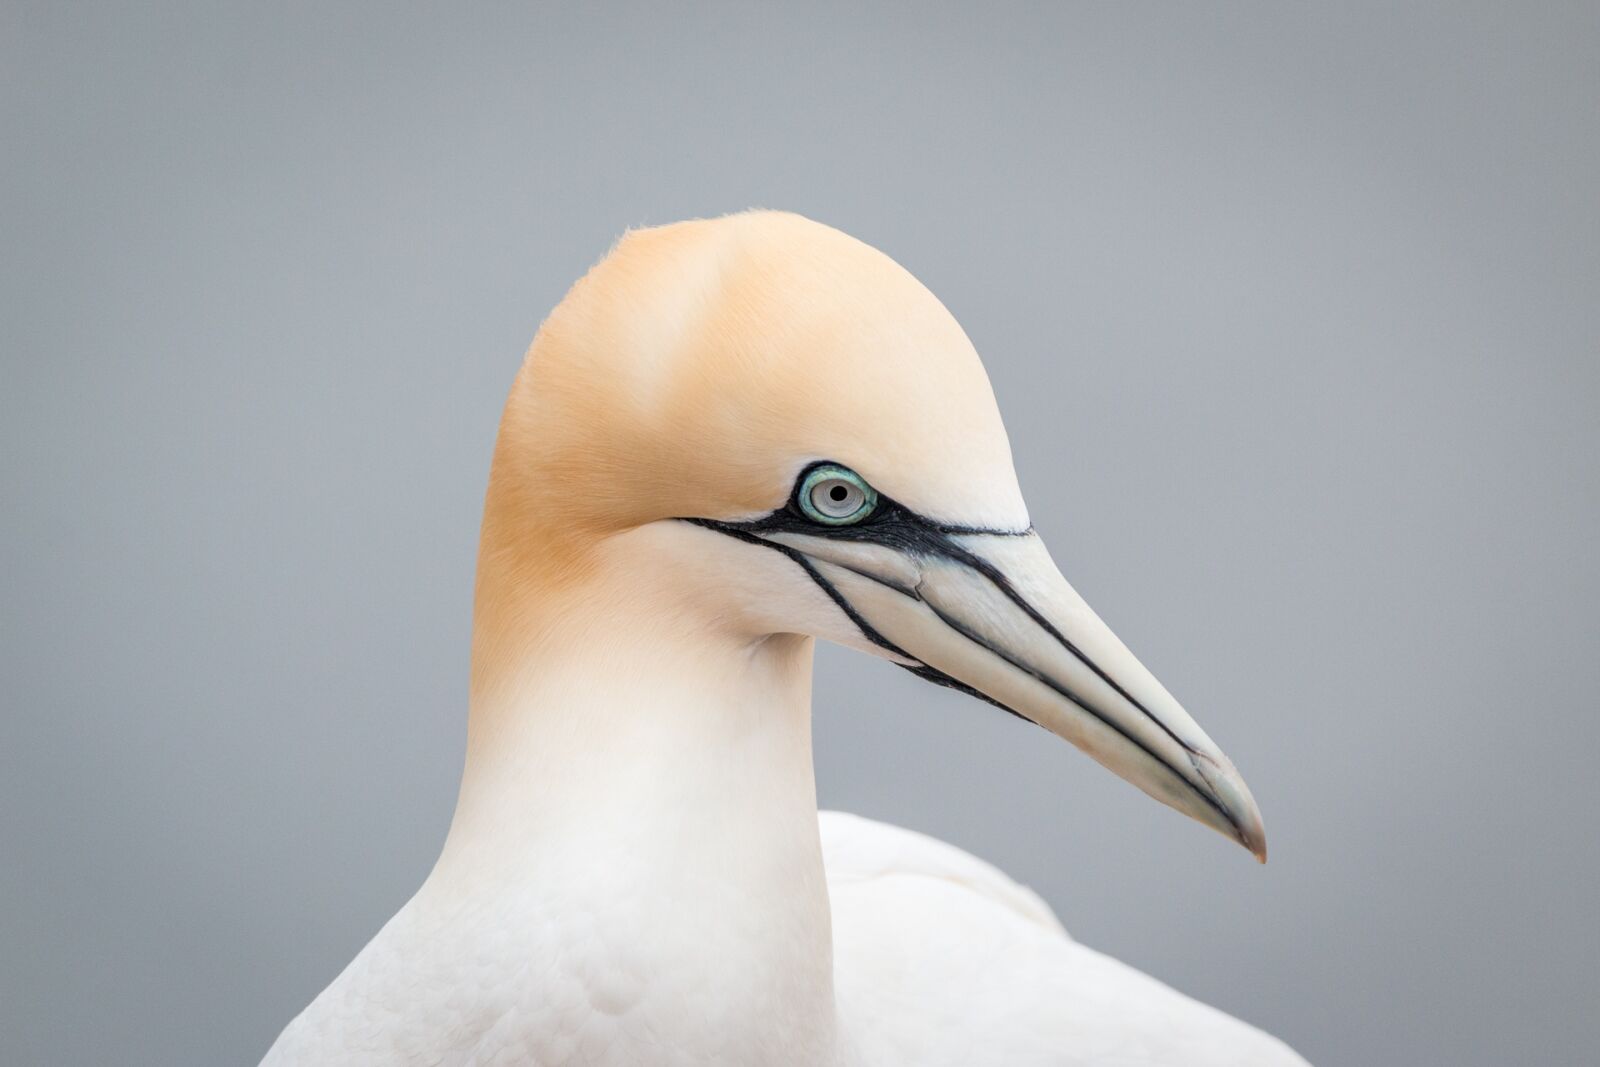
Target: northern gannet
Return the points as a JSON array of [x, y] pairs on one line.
[[730, 438]]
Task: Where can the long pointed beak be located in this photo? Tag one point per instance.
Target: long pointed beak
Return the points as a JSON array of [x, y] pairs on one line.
[[991, 614]]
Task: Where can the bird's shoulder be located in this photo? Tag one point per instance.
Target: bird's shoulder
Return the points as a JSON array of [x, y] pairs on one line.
[[860, 853], [941, 959]]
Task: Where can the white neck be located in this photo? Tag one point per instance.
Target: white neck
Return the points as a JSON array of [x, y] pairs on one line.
[[647, 781]]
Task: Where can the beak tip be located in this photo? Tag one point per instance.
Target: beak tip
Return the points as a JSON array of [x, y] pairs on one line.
[[1234, 800], [1247, 823], [1256, 844]]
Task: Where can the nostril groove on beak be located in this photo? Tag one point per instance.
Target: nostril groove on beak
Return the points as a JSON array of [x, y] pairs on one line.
[[1069, 695], [995, 577]]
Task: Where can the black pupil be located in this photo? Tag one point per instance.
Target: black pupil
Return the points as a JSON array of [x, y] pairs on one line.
[[838, 493]]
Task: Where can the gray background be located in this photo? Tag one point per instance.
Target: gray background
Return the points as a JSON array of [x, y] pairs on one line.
[[1292, 313]]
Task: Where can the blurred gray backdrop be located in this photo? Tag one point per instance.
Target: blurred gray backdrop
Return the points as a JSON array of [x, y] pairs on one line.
[[1294, 315]]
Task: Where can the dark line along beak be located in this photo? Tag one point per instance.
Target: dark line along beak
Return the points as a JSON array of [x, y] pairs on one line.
[[990, 614]]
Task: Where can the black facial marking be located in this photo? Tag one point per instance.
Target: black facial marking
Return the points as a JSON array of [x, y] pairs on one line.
[[1066, 692], [894, 526], [742, 532], [1000, 582], [891, 524], [897, 527]]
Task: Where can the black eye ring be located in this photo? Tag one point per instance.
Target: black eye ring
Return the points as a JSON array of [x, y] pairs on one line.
[[835, 496]]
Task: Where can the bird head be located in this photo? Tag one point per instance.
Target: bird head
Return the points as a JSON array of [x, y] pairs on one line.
[[816, 440]]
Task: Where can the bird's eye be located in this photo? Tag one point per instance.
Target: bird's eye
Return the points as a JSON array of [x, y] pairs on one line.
[[836, 496]]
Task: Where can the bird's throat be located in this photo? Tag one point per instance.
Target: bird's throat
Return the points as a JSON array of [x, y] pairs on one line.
[[628, 766]]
